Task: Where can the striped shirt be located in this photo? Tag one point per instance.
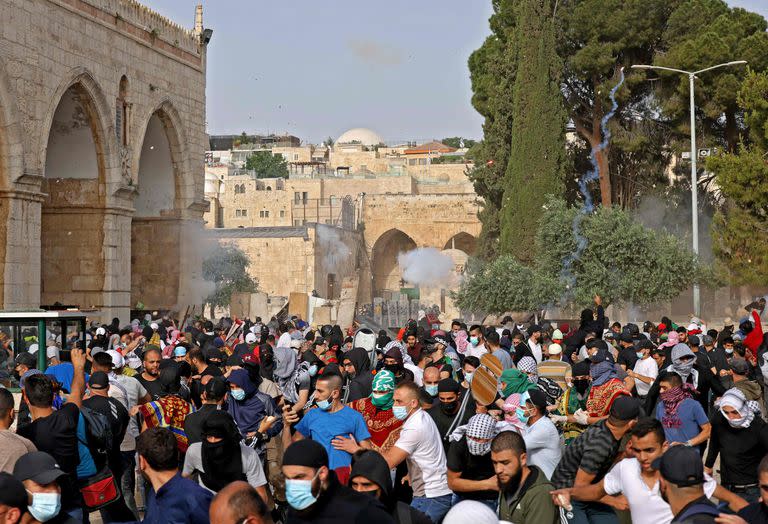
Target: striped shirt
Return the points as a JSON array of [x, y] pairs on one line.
[[556, 370], [593, 451]]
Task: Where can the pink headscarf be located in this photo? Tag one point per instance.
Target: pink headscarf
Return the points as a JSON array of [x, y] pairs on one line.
[[172, 342], [673, 338], [510, 411], [461, 341]]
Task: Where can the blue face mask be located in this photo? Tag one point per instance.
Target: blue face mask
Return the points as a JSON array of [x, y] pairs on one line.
[[298, 493], [237, 394], [474, 341], [312, 370], [639, 354], [521, 416], [45, 506], [400, 412], [431, 389], [468, 376], [325, 405]]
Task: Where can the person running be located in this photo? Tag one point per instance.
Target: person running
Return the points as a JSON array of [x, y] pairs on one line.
[[470, 471], [683, 418], [376, 410]]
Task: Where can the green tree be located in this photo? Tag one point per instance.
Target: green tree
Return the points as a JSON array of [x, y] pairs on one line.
[[456, 141], [227, 269], [267, 165], [492, 70], [537, 150], [740, 230]]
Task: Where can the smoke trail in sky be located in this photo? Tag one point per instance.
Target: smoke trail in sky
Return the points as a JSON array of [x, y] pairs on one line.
[[591, 176]]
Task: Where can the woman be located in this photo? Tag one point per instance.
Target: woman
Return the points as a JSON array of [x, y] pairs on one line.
[[511, 406], [222, 457], [547, 386], [170, 410], [514, 381], [573, 401], [606, 386], [252, 410], [376, 410]]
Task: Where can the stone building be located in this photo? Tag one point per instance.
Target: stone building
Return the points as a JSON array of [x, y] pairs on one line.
[[102, 133]]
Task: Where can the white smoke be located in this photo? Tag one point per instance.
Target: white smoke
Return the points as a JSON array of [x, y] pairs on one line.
[[426, 266], [333, 251]]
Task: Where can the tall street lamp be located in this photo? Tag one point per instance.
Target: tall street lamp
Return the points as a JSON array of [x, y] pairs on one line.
[[694, 182]]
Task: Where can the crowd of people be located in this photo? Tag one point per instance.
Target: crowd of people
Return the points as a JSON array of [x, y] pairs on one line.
[[260, 422]]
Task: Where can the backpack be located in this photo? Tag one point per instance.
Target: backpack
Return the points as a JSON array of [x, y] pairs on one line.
[[98, 430]]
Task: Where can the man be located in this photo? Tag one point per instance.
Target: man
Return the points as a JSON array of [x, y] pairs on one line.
[[637, 479], [358, 378], [591, 455], [470, 471], [627, 357], [645, 369], [412, 345], [534, 342], [315, 495], [445, 357], [741, 381], [419, 445], [213, 396], [200, 369], [12, 446], [13, 499], [338, 428], [444, 412], [23, 363], [371, 475], [757, 512], [524, 489], [55, 432], [42, 478], [555, 368], [493, 344], [238, 503], [542, 441], [682, 485], [682, 418], [431, 380], [100, 402], [172, 497], [149, 377], [476, 346]]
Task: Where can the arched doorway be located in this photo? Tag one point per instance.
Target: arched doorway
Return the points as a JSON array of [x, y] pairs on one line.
[[155, 227], [72, 216], [385, 269], [463, 242]]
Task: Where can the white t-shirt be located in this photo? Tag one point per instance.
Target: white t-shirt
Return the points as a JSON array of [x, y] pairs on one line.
[[544, 445], [426, 461], [645, 504], [418, 373], [535, 349], [476, 351], [646, 367], [128, 391], [252, 467]]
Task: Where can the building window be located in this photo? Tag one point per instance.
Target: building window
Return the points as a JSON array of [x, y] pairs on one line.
[[422, 161], [295, 156], [282, 213], [297, 197], [411, 161], [244, 213], [263, 214], [237, 212]]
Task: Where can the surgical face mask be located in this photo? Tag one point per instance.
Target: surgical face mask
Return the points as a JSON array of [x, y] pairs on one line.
[[298, 493], [431, 389], [325, 405], [312, 370], [400, 412], [468, 376], [640, 354], [521, 415], [474, 341], [237, 394], [729, 351], [45, 506]]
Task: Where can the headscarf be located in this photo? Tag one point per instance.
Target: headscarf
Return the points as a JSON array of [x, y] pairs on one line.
[[285, 365], [248, 412], [359, 358], [672, 398], [673, 338], [528, 365], [747, 408], [222, 461], [516, 382], [371, 465], [683, 369], [405, 357], [514, 401], [384, 380], [481, 426], [462, 341], [602, 372]]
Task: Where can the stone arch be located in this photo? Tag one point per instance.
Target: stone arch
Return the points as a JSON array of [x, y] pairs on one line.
[[11, 143], [385, 269], [463, 242], [75, 167], [156, 226]]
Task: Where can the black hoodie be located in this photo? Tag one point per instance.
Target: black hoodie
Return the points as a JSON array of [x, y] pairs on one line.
[[360, 385]]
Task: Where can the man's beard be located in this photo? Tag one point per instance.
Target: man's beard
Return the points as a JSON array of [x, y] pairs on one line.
[[513, 484]]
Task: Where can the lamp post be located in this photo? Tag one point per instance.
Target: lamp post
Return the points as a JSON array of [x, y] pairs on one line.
[[694, 181]]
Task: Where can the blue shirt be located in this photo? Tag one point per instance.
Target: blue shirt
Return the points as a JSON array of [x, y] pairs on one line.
[[322, 426], [63, 373], [691, 416], [178, 501], [87, 467]]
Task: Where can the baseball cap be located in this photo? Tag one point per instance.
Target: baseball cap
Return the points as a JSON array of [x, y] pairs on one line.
[[626, 337], [441, 339], [12, 492], [101, 331], [740, 366], [37, 466], [154, 326], [319, 341], [250, 338], [681, 466], [26, 359], [98, 380], [555, 349], [179, 351], [625, 408], [51, 351], [117, 358]]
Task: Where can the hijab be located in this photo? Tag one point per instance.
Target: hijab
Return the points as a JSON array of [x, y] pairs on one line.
[[510, 412], [516, 382], [747, 408], [528, 365], [248, 412], [222, 461]]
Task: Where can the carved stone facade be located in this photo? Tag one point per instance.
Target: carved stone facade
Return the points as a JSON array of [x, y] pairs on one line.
[[97, 207]]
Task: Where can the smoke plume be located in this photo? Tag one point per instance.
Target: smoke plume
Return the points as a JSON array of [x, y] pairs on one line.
[[426, 266]]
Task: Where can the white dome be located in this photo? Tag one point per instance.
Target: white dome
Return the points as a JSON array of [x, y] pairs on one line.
[[359, 134]]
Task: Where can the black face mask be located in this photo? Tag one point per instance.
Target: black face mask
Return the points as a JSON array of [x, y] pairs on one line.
[[449, 408], [394, 368], [581, 386]]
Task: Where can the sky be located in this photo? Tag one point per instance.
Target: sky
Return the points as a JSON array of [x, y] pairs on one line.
[[315, 69]]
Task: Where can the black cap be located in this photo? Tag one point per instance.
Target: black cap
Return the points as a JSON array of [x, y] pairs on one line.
[[215, 388], [214, 354], [319, 341], [600, 356], [740, 366], [26, 359], [99, 380], [539, 399], [625, 408], [681, 466], [441, 339], [37, 466], [448, 385], [627, 337], [305, 452], [234, 360], [12, 492]]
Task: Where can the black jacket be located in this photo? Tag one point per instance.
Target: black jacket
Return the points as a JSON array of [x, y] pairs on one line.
[[360, 385], [575, 341], [341, 504]]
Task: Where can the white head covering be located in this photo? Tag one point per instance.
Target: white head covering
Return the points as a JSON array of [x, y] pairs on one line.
[[284, 341], [747, 408], [250, 338], [470, 512]]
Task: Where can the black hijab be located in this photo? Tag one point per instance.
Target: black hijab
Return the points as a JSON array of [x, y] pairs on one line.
[[222, 461]]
